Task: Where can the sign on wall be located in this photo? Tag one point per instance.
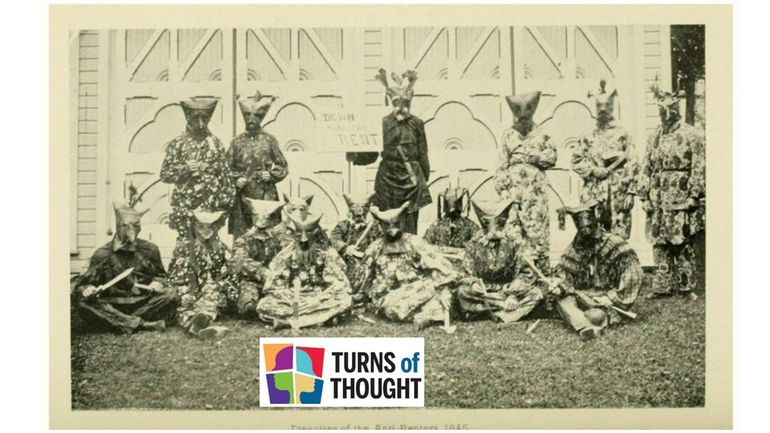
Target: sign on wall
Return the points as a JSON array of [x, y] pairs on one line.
[[347, 131]]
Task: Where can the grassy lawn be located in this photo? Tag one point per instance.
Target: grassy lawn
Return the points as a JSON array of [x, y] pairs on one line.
[[657, 361]]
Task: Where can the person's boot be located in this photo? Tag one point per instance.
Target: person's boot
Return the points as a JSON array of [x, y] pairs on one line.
[[248, 310], [158, 325], [590, 332], [213, 332], [199, 322]]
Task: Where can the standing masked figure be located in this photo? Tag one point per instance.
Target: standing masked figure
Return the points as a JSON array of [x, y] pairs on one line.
[[402, 175], [195, 163], [597, 271], [252, 253], [405, 278], [306, 283], [499, 283], [672, 187], [453, 228], [527, 154], [198, 271], [138, 301], [255, 161], [351, 236], [606, 161], [298, 206]]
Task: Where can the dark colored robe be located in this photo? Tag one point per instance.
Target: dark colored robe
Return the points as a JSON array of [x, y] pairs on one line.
[[346, 233], [122, 307], [451, 232], [252, 254], [394, 185]]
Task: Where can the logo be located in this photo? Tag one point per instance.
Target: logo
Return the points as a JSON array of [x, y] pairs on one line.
[[342, 372], [294, 375]]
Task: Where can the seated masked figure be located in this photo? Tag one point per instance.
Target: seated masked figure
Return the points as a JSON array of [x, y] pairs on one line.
[[351, 236], [405, 278], [284, 231], [306, 283], [110, 293], [499, 282], [252, 253], [598, 271], [198, 271], [453, 228]]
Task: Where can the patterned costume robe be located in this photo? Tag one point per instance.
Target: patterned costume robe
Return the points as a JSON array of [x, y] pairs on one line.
[[199, 274], [521, 176], [503, 274], [403, 279], [247, 156], [611, 191], [212, 189], [122, 307], [324, 290], [252, 254], [610, 267], [346, 233], [451, 232], [674, 169], [394, 184]]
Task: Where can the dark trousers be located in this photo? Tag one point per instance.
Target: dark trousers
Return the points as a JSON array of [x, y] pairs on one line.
[[127, 314]]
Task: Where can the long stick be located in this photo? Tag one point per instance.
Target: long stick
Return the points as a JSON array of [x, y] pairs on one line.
[[295, 307]]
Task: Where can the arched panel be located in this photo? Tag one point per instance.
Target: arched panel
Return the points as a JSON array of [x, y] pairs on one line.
[[294, 122], [455, 125]]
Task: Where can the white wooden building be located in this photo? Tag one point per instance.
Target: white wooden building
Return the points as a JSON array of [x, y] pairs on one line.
[[126, 85]]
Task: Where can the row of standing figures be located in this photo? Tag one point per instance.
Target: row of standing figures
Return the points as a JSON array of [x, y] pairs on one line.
[[285, 270]]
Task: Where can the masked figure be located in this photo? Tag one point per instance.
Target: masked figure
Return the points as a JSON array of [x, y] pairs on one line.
[[453, 228], [527, 154], [500, 284], [405, 278], [198, 271], [252, 253], [402, 175], [351, 236], [298, 206], [597, 271], [195, 163], [306, 283], [672, 188], [606, 161], [256, 163], [138, 301]]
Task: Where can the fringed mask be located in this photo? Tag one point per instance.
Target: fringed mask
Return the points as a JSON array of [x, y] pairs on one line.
[[264, 213], [297, 206], [401, 93], [454, 203], [493, 217], [390, 221], [523, 108], [586, 221], [307, 231], [127, 225], [605, 102], [207, 223], [668, 105], [198, 113], [357, 209], [254, 109]]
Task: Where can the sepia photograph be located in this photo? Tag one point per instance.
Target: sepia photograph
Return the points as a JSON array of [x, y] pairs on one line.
[[529, 199]]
